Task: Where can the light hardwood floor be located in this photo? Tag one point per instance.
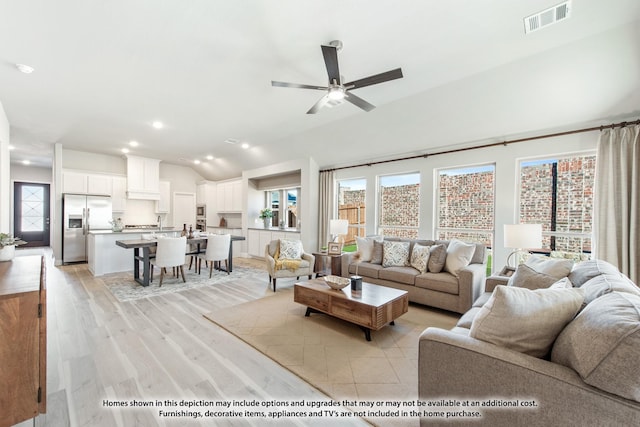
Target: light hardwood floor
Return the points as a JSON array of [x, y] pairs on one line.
[[153, 348]]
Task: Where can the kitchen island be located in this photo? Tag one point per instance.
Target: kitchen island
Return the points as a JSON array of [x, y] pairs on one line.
[[104, 257]]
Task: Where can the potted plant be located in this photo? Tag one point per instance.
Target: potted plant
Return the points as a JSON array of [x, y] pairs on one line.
[[266, 214], [8, 245]]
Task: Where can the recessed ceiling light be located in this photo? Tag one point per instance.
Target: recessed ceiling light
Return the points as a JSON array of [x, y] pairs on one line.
[[125, 150], [157, 124], [245, 145], [196, 161], [133, 143], [12, 147], [209, 157], [24, 68], [26, 162]]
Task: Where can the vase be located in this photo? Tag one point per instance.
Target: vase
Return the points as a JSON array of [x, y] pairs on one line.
[[7, 253], [356, 283], [267, 222]]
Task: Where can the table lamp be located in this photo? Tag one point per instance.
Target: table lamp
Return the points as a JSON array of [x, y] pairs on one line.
[[521, 237], [338, 227]]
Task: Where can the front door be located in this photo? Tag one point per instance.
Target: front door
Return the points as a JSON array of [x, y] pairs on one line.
[[31, 213]]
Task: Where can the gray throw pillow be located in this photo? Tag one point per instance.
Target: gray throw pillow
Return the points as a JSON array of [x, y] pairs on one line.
[[437, 258], [602, 344], [376, 254], [524, 320], [527, 277]]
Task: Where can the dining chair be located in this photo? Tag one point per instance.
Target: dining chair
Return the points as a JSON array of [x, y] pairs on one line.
[[170, 252], [217, 250]]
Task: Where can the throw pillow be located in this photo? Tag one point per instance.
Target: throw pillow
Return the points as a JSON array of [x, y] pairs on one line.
[[606, 283], [587, 270], [556, 267], [376, 255], [459, 255], [437, 258], [420, 257], [395, 254], [602, 344], [365, 246], [527, 277], [290, 249], [524, 320]]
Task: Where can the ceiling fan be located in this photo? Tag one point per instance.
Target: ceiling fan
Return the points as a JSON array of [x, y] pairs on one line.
[[337, 91]]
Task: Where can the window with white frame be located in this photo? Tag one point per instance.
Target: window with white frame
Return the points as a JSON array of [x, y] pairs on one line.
[[399, 205], [284, 204], [558, 193], [352, 206], [466, 204]]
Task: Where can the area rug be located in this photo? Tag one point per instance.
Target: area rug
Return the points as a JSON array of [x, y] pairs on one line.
[[332, 354], [125, 288]]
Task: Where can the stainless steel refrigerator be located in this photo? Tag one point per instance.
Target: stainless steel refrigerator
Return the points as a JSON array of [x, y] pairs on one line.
[[82, 213]]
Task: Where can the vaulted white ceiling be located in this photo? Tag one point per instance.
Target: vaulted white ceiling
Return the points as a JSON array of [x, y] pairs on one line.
[[104, 71]]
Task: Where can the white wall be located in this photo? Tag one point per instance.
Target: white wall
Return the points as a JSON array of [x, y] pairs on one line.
[[309, 178], [5, 167], [92, 162], [31, 174], [506, 160]]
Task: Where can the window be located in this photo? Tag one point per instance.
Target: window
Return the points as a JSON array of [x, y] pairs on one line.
[[399, 209], [466, 203], [351, 206], [285, 204], [558, 193]]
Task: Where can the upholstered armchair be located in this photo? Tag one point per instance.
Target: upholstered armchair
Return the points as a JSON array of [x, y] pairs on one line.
[[286, 258]]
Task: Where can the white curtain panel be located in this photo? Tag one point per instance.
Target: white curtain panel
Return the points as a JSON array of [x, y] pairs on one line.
[[326, 205], [617, 199]]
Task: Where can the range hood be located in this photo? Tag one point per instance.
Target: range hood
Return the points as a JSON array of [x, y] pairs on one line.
[[143, 178]]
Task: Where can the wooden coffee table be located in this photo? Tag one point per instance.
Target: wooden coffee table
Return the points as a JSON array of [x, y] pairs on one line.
[[371, 308]]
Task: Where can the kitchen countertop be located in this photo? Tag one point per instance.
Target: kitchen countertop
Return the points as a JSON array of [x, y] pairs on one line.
[[286, 230], [135, 231]]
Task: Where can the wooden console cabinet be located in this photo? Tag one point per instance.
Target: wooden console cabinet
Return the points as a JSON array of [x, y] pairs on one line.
[[23, 339]]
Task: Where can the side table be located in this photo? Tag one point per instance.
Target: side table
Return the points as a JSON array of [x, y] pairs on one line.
[[327, 264]]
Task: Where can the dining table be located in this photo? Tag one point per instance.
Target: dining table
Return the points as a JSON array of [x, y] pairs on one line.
[[145, 245]]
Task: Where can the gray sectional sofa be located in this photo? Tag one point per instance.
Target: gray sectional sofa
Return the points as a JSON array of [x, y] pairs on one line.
[[442, 290], [590, 377]]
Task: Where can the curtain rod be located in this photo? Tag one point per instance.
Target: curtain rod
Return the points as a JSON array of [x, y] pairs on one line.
[[493, 144]]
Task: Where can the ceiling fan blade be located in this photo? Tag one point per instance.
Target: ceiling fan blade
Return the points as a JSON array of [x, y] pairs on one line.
[[373, 80], [330, 54], [359, 102], [297, 86], [318, 105]]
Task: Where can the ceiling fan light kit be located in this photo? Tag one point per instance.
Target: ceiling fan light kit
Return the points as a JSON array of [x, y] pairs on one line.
[[336, 90]]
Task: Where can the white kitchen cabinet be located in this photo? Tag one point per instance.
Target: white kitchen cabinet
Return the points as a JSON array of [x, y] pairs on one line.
[[229, 196], [163, 205], [236, 196], [99, 184], [257, 240], [253, 243], [74, 182], [118, 193], [86, 183], [143, 178]]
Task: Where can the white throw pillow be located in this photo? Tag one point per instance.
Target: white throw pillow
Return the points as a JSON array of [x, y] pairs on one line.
[[459, 255], [420, 257], [524, 320], [290, 249], [556, 267], [395, 254], [365, 246]]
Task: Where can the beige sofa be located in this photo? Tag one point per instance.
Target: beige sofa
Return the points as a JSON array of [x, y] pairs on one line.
[[442, 290], [591, 377]]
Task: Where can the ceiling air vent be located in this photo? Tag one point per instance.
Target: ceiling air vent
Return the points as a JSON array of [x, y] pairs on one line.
[[547, 17]]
